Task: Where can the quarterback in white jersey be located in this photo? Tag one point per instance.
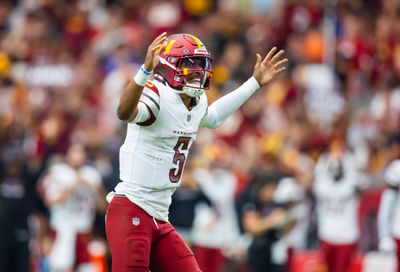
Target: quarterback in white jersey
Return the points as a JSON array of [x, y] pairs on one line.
[[154, 153], [163, 117]]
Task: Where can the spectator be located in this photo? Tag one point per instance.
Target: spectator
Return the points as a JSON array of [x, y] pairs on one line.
[[184, 202], [215, 231], [389, 210], [71, 190], [16, 205], [264, 220], [291, 195]]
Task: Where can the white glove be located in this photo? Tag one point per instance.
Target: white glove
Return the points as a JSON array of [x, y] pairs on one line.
[[387, 244]]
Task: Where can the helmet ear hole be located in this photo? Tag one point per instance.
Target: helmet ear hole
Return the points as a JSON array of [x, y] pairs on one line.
[[172, 59]]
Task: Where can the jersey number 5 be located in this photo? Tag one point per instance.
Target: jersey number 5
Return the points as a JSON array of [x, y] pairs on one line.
[[179, 159]]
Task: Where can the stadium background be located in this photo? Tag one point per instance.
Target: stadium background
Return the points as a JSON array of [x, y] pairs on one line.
[[63, 65]]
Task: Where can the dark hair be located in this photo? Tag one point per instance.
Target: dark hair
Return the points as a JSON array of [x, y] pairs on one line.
[[393, 139], [262, 178]]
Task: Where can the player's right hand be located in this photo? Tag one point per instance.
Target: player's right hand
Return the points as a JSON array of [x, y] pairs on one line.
[[153, 52], [387, 244]]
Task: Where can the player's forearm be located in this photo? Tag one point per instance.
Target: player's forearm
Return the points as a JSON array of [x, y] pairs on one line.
[[127, 108], [221, 109], [254, 224], [258, 226]]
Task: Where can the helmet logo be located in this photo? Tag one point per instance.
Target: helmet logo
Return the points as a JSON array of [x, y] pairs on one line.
[[200, 51]]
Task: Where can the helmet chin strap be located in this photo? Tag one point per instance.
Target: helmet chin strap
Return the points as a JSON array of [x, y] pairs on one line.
[[192, 91]]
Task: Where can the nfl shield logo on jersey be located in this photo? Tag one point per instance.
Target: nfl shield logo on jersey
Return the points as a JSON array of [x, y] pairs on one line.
[[136, 221], [189, 117]]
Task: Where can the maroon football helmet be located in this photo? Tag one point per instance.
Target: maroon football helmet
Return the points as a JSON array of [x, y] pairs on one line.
[[185, 65]]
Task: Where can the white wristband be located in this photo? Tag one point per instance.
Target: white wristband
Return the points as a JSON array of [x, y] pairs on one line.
[[142, 76]]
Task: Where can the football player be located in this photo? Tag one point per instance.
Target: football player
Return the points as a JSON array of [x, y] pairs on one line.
[[337, 185], [72, 189], [389, 208], [163, 116]]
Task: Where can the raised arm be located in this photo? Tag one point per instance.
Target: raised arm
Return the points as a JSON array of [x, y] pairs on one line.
[[128, 103], [264, 71]]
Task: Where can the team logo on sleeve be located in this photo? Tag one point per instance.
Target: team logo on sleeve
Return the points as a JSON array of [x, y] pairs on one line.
[[136, 221]]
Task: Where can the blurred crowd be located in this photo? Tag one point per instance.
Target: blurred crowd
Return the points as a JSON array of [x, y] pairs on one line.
[[251, 194]]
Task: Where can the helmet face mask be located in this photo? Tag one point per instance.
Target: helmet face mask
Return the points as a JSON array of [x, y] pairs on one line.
[[185, 65], [194, 69]]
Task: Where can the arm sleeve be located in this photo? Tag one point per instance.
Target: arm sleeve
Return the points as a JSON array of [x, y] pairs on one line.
[[220, 110], [148, 106], [143, 114]]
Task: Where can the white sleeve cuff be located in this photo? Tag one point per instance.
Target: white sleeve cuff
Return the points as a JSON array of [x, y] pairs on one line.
[[253, 84]]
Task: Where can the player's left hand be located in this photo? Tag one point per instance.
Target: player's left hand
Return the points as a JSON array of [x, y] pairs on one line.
[[267, 69]]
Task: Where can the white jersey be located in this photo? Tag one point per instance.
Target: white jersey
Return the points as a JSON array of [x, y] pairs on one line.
[[211, 230], [337, 202], [392, 178], [78, 210], [154, 153]]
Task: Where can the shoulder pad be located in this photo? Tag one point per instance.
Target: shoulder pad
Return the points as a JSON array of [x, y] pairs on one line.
[[151, 98], [149, 85]]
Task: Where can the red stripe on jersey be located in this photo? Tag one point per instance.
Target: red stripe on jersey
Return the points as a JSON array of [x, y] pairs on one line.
[[152, 87], [151, 120]]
